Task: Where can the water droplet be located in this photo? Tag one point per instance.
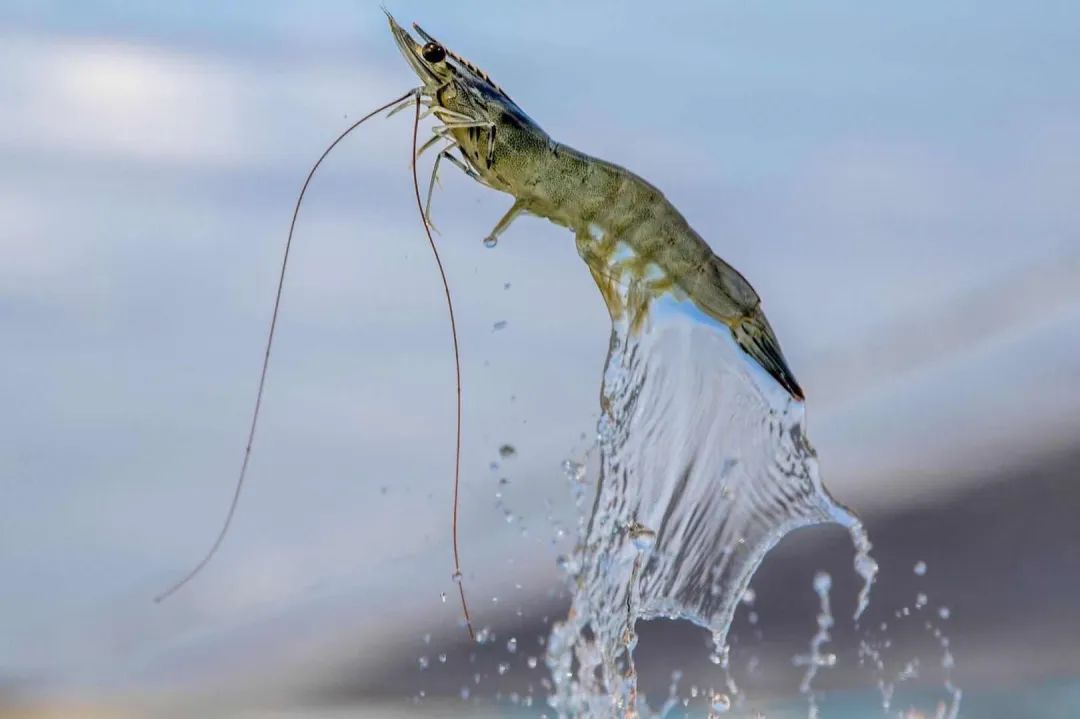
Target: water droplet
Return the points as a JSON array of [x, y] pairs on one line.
[[920, 600], [944, 612], [822, 583], [490, 241], [503, 668], [484, 635], [464, 694], [442, 658], [574, 471], [426, 638], [749, 597], [456, 577], [442, 596], [511, 644], [531, 661], [507, 451], [501, 324], [423, 662], [920, 568]]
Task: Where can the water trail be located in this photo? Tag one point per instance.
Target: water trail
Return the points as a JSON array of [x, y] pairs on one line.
[[704, 467], [817, 659]]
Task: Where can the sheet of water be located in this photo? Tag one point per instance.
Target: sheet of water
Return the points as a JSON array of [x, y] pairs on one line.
[[704, 467]]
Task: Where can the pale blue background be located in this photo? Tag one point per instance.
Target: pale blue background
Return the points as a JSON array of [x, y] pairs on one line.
[[899, 184]]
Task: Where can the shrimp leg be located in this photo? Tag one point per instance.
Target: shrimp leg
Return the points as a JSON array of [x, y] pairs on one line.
[[446, 152], [462, 166], [500, 227]]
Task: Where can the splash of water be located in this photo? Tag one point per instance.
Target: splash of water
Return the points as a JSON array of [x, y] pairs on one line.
[[817, 659], [704, 467], [874, 647]]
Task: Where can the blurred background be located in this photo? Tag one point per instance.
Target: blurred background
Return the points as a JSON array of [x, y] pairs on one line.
[[900, 185]]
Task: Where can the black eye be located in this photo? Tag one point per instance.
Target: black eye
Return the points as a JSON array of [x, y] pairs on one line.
[[433, 52]]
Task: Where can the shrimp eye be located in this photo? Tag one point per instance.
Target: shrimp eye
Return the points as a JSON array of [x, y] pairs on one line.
[[433, 52]]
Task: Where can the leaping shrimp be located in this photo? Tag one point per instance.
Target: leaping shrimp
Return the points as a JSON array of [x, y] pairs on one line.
[[625, 229]]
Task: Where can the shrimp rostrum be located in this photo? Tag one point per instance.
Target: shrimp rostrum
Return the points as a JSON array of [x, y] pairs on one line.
[[625, 229]]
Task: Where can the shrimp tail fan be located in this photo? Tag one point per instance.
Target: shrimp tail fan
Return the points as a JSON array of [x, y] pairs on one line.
[[756, 338]]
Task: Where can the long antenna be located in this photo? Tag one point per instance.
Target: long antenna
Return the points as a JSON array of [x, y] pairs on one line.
[[266, 356], [458, 578]]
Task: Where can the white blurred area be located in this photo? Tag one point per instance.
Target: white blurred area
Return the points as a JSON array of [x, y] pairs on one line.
[[899, 185]]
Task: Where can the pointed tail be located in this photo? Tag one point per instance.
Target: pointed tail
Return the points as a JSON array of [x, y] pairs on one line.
[[754, 335]]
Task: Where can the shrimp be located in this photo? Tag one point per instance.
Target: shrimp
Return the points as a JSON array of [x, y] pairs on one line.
[[625, 229]]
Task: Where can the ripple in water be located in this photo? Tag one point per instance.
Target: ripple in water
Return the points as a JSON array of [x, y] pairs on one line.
[[704, 467]]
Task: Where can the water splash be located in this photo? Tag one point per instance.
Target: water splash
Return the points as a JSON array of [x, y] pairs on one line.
[[817, 659], [874, 649], [704, 467]]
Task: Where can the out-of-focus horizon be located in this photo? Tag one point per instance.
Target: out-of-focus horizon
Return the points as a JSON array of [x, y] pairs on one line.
[[899, 184]]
